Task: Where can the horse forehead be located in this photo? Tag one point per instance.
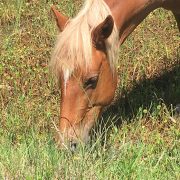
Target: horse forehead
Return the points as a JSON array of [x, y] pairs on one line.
[[97, 58], [91, 67]]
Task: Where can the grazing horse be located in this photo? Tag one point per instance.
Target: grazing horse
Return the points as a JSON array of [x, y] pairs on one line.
[[85, 56]]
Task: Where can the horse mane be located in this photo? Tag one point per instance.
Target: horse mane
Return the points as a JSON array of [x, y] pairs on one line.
[[74, 45]]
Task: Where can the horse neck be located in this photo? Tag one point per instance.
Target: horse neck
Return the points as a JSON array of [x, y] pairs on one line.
[[128, 14]]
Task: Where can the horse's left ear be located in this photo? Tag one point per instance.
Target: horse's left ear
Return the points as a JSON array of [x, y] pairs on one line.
[[61, 20], [102, 32]]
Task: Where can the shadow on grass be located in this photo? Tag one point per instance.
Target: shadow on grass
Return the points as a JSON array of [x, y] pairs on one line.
[[145, 94]]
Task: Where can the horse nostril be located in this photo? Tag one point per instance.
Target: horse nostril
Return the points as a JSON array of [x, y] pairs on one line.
[[73, 146], [177, 109]]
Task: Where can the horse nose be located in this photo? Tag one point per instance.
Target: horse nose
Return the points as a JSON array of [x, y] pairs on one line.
[[73, 146]]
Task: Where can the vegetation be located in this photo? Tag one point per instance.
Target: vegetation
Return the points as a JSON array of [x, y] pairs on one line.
[[141, 139]]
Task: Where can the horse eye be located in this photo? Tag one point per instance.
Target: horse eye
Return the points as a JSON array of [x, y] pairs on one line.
[[91, 83]]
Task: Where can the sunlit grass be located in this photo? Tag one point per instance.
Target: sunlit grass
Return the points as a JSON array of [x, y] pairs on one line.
[[141, 136]]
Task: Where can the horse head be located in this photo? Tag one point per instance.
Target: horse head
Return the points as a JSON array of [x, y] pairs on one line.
[[81, 61]]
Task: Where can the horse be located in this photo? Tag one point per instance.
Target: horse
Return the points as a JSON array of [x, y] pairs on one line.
[[85, 57]]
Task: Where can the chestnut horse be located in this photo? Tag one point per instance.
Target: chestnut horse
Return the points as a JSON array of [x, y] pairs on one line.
[[84, 59]]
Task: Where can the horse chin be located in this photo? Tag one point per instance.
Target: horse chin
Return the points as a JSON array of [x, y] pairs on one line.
[[78, 134], [72, 141]]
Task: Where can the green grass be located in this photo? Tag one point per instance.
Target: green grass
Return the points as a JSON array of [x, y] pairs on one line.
[[141, 137]]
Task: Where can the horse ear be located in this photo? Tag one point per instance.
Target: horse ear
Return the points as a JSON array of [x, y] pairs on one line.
[[61, 20], [102, 32]]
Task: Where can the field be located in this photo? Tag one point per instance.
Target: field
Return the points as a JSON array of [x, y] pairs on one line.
[[137, 137]]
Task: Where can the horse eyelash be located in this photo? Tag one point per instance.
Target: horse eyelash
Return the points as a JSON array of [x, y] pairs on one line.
[[91, 83]]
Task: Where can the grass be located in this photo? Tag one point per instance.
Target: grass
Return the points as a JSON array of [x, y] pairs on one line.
[[142, 139]]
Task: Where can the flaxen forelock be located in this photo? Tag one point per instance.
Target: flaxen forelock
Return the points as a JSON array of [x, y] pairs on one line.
[[74, 45]]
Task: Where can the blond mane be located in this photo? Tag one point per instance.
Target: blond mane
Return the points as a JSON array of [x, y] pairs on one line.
[[74, 45]]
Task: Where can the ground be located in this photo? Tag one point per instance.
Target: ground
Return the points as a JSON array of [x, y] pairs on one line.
[[140, 138]]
